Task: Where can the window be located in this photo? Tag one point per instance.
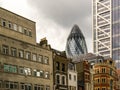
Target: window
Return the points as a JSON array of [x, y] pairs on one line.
[[3, 22], [38, 87], [15, 27], [11, 85], [1, 84], [74, 77], [13, 52], [63, 67], [70, 76], [46, 74], [57, 79], [41, 73], [103, 80], [5, 49], [20, 29], [30, 33], [57, 66], [25, 86], [27, 71], [47, 87], [40, 58], [103, 70], [21, 53], [46, 60], [10, 68], [34, 57], [63, 80], [98, 80], [21, 70], [25, 31], [9, 25], [35, 72], [28, 55]]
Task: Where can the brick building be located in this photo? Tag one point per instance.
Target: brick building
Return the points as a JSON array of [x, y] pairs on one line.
[[105, 75]]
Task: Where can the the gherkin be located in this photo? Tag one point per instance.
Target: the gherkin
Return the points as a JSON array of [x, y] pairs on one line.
[[76, 44]]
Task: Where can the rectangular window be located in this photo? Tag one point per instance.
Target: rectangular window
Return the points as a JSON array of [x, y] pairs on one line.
[[40, 58], [15, 27], [21, 53], [1, 84], [25, 31], [9, 25], [63, 67], [41, 73], [20, 29], [10, 68], [28, 55], [5, 49], [74, 77], [21, 70], [46, 74], [3, 22], [103, 70], [58, 79], [57, 66], [70, 77], [13, 52], [27, 71], [11, 85], [63, 80], [46, 61], [34, 57], [47, 87], [30, 33]]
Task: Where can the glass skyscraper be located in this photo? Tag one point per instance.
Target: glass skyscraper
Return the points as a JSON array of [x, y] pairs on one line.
[[106, 29], [76, 44]]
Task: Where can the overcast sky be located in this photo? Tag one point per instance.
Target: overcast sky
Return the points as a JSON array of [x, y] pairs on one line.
[[55, 18]]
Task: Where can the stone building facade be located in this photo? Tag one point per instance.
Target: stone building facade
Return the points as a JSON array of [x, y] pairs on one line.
[[72, 76], [24, 64]]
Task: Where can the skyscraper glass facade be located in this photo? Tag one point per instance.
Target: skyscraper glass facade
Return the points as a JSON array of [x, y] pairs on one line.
[[76, 44], [106, 29]]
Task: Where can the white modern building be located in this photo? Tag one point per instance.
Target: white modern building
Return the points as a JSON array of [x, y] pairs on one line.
[[106, 28], [72, 76]]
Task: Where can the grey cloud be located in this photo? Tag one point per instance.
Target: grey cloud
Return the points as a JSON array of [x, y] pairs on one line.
[[66, 13], [63, 12]]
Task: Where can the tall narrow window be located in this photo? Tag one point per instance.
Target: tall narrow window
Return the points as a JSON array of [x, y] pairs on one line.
[[3, 22], [21, 53], [70, 77], [9, 25], [74, 77], [15, 27], [63, 80], [40, 58], [28, 55], [34, 57], [41, 73], [13, 52], [5, 49], [57, 79], [46, 61], [63, 67], [46, 74], [20, 29], [57, 66]]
